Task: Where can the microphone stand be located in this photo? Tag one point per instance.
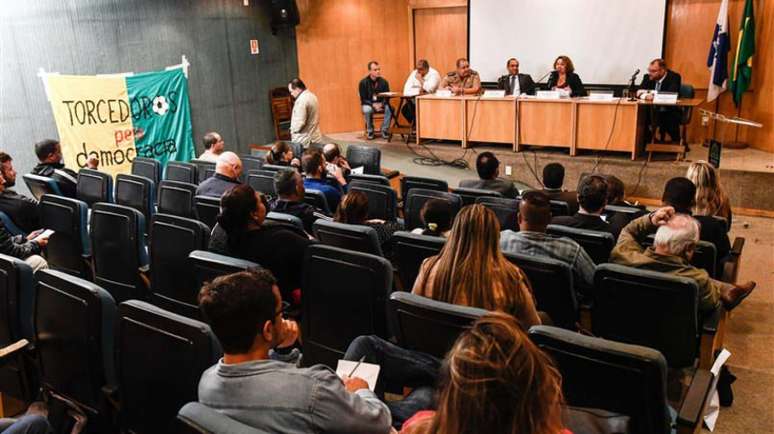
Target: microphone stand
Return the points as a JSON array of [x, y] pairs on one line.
[[632, 87]]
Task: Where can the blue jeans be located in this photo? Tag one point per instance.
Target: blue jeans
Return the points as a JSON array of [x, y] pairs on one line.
[[368, 112], [399, 367], [29, 424]]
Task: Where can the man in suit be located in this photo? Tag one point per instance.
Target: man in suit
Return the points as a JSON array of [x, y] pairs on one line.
[[488, 168], [515, 83], [553, 178], [661, 79], [592, 198]]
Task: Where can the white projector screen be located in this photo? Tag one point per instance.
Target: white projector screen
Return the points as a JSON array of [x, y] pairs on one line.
[[607, 40]]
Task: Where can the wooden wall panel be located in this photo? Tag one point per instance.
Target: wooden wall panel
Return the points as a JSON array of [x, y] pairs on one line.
[[336, 39], [441, 52]]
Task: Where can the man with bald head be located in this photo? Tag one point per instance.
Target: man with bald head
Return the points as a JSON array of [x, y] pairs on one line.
[[228, 169], [676, 238]]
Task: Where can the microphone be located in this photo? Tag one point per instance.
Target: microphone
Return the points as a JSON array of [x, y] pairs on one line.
[[545, 75], [634, 76], [633, 87]]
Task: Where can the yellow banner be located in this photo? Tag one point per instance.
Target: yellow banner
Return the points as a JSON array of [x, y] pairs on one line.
[[94, 119]]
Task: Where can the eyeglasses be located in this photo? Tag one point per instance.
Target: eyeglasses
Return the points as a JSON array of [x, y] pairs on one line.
[[283, 310]]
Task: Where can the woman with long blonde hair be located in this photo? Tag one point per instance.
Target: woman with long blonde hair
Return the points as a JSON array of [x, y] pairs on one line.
[[494, 380], [711, 199], [472, 271]]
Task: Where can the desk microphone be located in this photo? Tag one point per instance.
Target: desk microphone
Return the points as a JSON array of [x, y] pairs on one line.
[[634, 76], [633, 87], [547, 74]]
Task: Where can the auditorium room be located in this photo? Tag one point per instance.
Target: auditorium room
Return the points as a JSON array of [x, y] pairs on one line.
[[387, 216]]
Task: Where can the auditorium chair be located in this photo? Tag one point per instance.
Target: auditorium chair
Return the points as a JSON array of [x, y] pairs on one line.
[[358, 238], [373, 179], [173, 285], [18, 376], [196, 418], [68, 248], [137, 192], [94, 186], [10, 226], [281, 105], [597, 244], [317, 199], [119, 251], [553, 287], [181, 172], [686, 112], [631, 211], [160, 357], [409, 250], [204, 169], [370, 159], [412, 204], [559, 208], [250, 163], [275, 168], [262, 184], [207, 266], [207, 209], [624, 379], [147, 167], [469, 195], [382, 200], [40, 185], [409, 182], [429, 326], [704, 256], [506, 210], [657, 310], [177, 198], [74, 331], [345, 295], [286, 220]]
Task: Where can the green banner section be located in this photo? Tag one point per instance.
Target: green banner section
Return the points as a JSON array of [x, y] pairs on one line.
[[741, 76]]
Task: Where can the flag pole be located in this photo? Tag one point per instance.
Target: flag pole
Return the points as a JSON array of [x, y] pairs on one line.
[[736, 144]]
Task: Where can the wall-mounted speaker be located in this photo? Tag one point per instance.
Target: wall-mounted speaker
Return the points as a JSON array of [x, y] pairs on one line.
[[284, 13]]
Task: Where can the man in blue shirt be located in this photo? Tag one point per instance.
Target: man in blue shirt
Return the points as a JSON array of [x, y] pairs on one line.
[[313, 165]]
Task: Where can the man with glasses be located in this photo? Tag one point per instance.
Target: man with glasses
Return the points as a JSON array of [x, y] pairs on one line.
[[213, 147]]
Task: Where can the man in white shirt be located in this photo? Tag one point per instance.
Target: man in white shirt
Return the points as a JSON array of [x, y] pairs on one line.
[[422, 80], [213, 147], [305, 119]]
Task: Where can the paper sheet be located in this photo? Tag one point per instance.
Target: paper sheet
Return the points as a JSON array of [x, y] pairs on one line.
[[357, 170], [713, 407], [367, 371]]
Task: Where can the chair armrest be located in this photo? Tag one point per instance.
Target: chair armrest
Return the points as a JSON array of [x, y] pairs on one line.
[[731, 265], [711, 322], [13, 349], [111, 394], [711, 339], [691, 413]]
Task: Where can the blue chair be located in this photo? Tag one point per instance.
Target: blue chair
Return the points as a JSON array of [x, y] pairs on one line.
[[181, 172], [317, 199], [40, 185], [469, 195], [207, 265], [69, 247], [17, 371], [204, 169], [94, 186], [286, 219], [147, 167], [207, 209], [137, 192], [358, 238], [177, 198], [10, 226]]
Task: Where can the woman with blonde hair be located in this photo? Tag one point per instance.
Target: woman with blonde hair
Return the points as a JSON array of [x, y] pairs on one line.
[[494, 380], [471, 270], [711, 199]]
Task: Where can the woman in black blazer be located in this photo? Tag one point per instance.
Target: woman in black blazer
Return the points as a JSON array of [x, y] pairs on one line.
[[564, 76]]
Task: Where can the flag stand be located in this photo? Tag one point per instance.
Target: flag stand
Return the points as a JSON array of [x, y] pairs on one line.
[[736, 144]]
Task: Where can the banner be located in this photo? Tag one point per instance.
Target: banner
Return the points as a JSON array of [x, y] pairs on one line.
[[119, 117]]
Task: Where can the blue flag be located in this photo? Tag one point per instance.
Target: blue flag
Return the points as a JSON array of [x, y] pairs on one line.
[[717, 60]]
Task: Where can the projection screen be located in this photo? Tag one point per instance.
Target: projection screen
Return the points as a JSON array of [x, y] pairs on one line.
[[607, 40]]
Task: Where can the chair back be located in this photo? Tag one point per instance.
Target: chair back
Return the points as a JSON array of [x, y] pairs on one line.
[[336, 310], [409, 182], [250, 163], [137, 192], [119, 250], [617, 377], [597, 244], [16, 303], [552, 285], [94, 186], [317, 199], [648, 308], [177, 198], [358, 238], [286, 220], [559, 208], [74, 338], [196, 418], [469, 195], [147, 167], [281, 110], [369, 158], [275, 167], [705, 257], [204, 169], [69, 248], [207, 266], [382, 200], [430, 326], [40, 185], [160, 357], [181, 172], [173, 286], [10, 226], [506, 210], [207, 209], [631, 211], [686, 92], [412, 204], [373, 179], [409, 251], [262, 183]]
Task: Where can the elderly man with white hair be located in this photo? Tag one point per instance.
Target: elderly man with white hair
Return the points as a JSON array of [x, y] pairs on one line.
[[676, 238], [228, 169]]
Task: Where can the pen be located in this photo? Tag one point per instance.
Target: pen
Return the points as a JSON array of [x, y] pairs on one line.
[[356, 366]]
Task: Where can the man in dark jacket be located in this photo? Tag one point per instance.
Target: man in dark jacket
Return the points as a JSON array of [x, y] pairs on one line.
[[370, 87], [49, 153], [592, 198], [21, 209], [27, 250], [553, 179], [228, 169], [289, 186], [661, 79], [515, 83]]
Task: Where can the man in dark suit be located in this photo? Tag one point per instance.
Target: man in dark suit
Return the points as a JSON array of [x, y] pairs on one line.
[[488, 168], [661, 79], [515, 83], [592, 198], [553, 178]]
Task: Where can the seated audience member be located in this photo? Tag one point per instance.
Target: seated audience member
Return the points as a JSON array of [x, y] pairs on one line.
[[213, 147], [334, 161], [680, 193], [673, 247], [290, 188], [281, 154], [553, 179], [617, 196], [35, 421], [313, 164], [711, 199], [564, 78], [369, 89], [592, 198], [534, 216], [436, 216], [49, 153], [21, 209], [228, 169], [353, 210], [494, 380], [472, 271], [488, 168], [242, 230], [27, 249], [244, 311], [515, 83]]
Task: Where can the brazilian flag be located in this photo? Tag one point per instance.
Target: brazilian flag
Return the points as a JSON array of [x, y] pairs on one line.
[[745, 48]]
